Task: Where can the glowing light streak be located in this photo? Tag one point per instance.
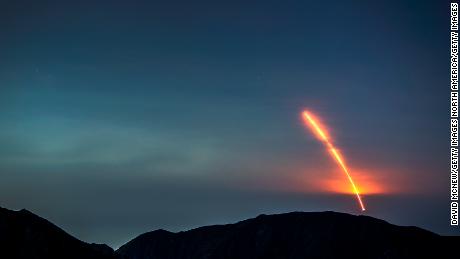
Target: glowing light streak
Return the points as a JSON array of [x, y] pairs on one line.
[[322, 135]]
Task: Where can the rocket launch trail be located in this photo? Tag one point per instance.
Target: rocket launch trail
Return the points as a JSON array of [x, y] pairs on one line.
[[321, 134]]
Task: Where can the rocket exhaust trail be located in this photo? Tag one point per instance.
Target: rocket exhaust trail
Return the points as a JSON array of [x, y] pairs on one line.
[[321, 134]]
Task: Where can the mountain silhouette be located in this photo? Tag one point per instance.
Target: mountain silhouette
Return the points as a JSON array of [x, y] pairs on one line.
[[289, 235], [26, 235]]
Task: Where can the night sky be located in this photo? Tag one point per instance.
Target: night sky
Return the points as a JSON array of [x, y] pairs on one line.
[[120, 117]]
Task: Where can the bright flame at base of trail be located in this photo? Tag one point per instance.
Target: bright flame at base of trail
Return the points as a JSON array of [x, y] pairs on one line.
[[321, 134]]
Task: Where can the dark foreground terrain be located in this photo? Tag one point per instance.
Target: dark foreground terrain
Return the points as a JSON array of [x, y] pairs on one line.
[[290, 235], [26, 235]]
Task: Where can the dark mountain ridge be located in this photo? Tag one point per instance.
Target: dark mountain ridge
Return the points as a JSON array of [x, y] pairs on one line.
[[26, 235], [289, 235]]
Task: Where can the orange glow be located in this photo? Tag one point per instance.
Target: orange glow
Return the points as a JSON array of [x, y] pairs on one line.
[[315, 126], [367, 185]]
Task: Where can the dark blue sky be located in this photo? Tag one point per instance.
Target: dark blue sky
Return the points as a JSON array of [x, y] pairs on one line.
[[119, 117]]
